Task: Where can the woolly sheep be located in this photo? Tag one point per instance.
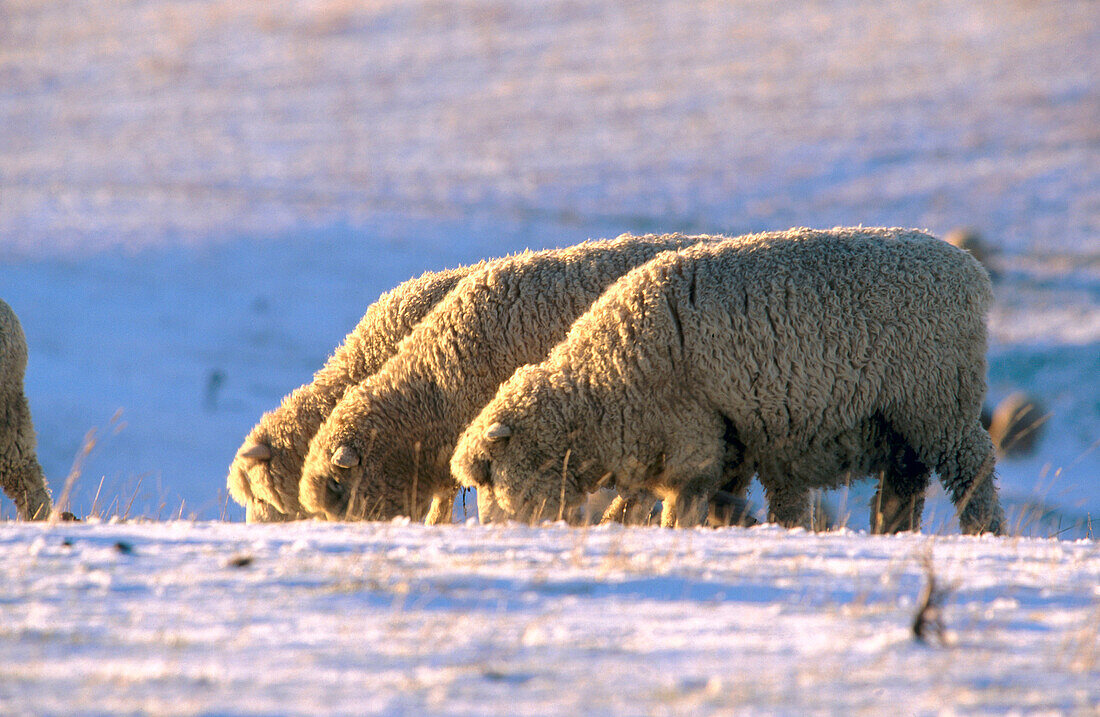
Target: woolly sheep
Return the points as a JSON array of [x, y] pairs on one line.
[[267, 469], [20, 475], [385, 449], [803, 356], [971, 240], [1016, 425]]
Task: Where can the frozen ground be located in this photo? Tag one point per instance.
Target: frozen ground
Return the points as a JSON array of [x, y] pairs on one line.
[[198, 199], [221, 618]]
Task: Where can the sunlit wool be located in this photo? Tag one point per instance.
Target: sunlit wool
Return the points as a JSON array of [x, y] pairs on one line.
[[385, 449], [807, 357], [267, 469]]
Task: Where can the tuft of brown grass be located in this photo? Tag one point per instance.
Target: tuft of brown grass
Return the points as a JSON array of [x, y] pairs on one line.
[[928, 625], [75, 472], [61, 508]]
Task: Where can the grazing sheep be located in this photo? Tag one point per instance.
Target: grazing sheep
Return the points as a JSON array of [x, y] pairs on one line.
[[385, 449], [20, 475], [971, 240], [267, 469], [803, 356], [1016, 425]]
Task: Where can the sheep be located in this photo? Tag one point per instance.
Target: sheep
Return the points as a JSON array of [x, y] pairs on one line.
[[803, 356], [972, 241], [20, 474], [385, 449], [1016, 425], [267, 469]]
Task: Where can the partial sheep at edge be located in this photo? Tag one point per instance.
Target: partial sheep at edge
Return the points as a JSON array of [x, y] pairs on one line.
[[20, 474]]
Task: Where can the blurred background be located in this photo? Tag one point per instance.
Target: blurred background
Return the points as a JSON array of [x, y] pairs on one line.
[[199, 198]]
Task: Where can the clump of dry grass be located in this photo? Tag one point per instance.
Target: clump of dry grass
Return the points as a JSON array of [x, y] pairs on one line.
[[928, 625]]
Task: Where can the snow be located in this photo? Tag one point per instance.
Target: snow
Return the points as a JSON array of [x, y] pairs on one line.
[[391, 618], [199, 199]]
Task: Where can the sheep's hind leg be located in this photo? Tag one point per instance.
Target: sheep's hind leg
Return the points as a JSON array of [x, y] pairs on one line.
[[899, 501], [894, 510], [728, 509], [968, 476], [729, 506]]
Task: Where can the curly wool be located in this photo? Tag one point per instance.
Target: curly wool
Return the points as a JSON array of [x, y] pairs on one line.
[[804, 356], [385, 449], [267, 469], [20, 474]]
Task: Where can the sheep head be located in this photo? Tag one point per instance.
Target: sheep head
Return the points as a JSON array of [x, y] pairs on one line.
[[345, 457], [267, 471], [519, 452], [330, 475], [350, 474]]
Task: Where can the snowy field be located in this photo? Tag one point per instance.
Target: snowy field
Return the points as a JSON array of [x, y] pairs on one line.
[[382, 618], [199, 199]]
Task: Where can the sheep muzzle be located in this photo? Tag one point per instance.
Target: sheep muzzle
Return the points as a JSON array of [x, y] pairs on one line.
[[337, 498]]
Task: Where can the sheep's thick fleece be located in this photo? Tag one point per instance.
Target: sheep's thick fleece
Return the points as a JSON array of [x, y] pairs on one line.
[[385, 449], [267, 469], [804, 356], [20, 475]]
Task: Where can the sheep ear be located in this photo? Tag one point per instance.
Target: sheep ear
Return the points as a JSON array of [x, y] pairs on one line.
[[345, 457], [497, 432], [256, 451]]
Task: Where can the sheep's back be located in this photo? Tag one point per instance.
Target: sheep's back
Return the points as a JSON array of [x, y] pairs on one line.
[[825, 328], [510, 313], [789, 334]]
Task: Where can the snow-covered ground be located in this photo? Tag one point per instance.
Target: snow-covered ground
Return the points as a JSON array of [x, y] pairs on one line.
[[222, 618], [199, 199]]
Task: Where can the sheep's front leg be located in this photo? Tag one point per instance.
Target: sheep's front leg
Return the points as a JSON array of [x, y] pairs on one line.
[[693, 469], [257, 511], [634, 508], [441, 511], [687, 507], [488, 510], [686, 510]]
